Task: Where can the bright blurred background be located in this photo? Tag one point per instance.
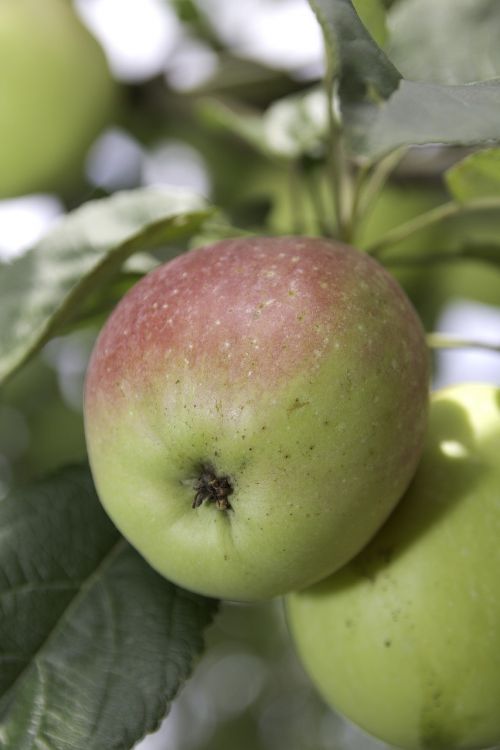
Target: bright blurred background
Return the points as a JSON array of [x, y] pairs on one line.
[[131, 110]]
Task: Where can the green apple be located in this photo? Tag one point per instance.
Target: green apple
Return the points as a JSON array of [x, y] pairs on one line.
[[405, 640], [254, 410], [56, 93]]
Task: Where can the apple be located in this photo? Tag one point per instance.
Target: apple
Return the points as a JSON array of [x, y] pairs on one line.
[[254, 410], [405, 640], [56, 94]]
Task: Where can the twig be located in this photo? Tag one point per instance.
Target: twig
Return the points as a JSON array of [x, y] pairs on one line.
[[428, 219], [370, 183], [448, 341]]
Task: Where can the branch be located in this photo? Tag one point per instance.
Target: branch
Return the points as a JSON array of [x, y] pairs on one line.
[[483, 253], [448, 341], [428, 219]]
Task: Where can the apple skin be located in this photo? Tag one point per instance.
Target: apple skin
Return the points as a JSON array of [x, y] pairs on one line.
[[56, 94], [405, 640], [294, 366]]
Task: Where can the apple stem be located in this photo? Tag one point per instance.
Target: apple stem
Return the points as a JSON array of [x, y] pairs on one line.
[[212, 488]]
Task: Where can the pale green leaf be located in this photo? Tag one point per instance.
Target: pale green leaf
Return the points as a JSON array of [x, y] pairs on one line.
[[421, 113], [446, 41], [42, 290]]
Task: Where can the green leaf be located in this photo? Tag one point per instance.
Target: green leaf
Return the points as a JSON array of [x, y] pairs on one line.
[[352, 54], [476, 176], [93, 643], [40, 291], [446, 41], [421, 113], [373, 15]]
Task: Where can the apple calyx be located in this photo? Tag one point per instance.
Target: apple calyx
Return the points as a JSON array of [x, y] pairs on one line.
[[213, 489]]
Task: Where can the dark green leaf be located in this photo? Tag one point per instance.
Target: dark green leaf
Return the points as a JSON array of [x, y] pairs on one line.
[[477, 176], [41, 290], [352, 54], [446, 41], [93, 643], [420, 113]]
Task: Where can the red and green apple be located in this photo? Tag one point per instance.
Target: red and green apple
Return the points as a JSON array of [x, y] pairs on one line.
[[254, 410]]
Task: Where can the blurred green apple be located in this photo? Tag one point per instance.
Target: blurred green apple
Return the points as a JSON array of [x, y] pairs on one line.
[[405, 640], [254, 410], [56, 93]]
